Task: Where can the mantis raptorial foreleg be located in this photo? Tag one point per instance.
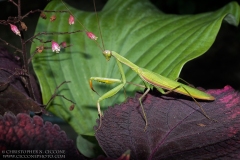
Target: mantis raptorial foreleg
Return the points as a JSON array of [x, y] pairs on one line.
[[116, 90], [111, 92], [106, 95]]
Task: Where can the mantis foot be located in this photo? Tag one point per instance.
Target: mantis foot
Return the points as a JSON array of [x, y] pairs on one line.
[[100, 121], [145, 126]]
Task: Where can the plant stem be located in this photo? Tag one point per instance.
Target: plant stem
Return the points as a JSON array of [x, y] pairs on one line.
[[24, 54]]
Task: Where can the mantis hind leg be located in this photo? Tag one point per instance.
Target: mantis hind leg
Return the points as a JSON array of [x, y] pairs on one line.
[[184, 81], [140, 100], [172, 90]]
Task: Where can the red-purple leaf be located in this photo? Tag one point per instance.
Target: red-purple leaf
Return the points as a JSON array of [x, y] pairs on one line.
[[13, 94], [16, 101], [124, 156], [24, 133], [176, 128]]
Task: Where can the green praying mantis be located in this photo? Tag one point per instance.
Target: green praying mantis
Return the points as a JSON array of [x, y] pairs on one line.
[[150, 80]]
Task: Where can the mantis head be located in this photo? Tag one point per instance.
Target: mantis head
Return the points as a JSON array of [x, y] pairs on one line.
[[107, 54]]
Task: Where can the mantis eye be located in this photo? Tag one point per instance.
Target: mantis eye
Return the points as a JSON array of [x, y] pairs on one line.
[[107, 54]]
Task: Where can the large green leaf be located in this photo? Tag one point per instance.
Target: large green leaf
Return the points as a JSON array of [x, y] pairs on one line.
[[136, 30]]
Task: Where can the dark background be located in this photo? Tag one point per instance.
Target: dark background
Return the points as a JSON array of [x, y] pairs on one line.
[[220, 66]]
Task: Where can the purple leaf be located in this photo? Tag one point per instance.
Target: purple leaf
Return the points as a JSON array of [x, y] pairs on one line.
[[24, 133], [11, 99], [124, 156], [176, 128], [13, 94]]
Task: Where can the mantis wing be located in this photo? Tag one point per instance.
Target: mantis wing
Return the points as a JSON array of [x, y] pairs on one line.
[[163, 82]]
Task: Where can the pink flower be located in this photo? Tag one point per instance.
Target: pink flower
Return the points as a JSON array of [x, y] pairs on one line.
[[15, 29], [55, 47], [91, 35], [71, 20]]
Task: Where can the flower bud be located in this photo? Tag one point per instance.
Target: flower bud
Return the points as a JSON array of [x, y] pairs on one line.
[[53, 18], [15, 29], [71, 20], [43, 15], [91, 36], [71, 107], [63, 44], [55, 47], [39, 49], [23, 25]]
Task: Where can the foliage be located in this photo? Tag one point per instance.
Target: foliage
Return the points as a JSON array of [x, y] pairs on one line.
[[156, 41], [175, 130]]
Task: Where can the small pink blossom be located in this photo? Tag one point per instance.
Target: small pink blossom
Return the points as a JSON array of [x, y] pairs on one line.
[[91, 35], [55, 47], [71, 20], [15, 29]]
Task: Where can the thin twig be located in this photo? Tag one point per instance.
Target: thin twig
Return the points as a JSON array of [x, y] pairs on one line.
[[36, 52], [10, 45], [13, 2], [51, 33], [39, 10], [55, 94]]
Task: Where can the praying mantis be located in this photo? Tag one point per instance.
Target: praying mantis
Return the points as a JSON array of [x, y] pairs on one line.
[[150, 80]]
